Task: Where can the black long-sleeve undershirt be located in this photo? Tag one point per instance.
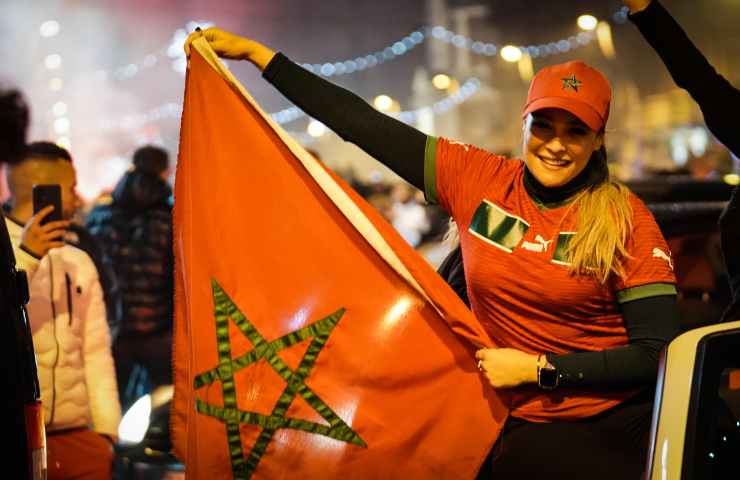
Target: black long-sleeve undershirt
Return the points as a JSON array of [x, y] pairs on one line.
[[395, 144], [650, 322]]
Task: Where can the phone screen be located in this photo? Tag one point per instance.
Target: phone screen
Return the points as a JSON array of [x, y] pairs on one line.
[[44, 195]]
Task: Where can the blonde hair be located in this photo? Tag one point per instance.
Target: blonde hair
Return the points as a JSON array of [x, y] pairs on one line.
[[599, 247]]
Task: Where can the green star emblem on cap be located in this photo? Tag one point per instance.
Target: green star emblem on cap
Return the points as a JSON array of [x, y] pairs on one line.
[[571, 82], [242, 466]]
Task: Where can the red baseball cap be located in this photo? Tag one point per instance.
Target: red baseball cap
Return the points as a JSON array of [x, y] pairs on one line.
[[574, 87]]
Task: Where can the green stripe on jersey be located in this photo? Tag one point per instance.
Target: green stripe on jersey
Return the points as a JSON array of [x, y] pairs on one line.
[[497, 226], [645, 291], [430, 170]]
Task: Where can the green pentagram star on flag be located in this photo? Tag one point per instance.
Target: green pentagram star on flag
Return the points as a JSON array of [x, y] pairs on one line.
[[571, 82], [225, 309]]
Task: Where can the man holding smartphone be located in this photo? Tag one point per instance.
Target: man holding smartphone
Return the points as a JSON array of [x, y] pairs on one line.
[[67, 316]]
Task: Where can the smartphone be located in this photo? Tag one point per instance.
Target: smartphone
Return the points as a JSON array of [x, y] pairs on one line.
[[45, 195]]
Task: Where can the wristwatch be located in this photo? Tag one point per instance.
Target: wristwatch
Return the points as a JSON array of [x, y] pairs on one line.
[[548, 377]]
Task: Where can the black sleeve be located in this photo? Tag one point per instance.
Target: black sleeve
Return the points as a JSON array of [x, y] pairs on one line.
[[397, 145], [651, 324], [718, 99]]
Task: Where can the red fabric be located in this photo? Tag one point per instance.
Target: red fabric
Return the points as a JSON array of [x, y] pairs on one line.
[[78, 454], [248, 216], [651, 259], [523, 298], [35, 430], [733, 380]]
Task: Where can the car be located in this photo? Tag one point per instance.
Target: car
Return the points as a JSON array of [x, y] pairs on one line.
[[696, 415]]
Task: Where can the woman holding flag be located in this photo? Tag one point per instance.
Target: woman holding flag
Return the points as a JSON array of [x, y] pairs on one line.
[[566, 269]]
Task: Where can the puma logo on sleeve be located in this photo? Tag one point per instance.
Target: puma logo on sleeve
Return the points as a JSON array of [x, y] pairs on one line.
[[658, 253], [464, 145]]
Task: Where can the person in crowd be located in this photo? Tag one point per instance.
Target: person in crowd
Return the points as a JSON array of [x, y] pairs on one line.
[[14, 119], [567, 270], [68, 321], [718, 100], [78, 236], [407, 214], [135, 231]]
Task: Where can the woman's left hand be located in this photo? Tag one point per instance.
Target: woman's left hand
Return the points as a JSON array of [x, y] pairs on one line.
[[228, 45], [507, 367]]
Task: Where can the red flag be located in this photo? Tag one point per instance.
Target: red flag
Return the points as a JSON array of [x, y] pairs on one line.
[[310, 340]]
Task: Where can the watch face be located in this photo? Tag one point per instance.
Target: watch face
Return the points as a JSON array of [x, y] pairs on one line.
[[548, 378]]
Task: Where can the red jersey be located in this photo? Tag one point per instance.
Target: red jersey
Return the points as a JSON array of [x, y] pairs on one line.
[[519, 283]]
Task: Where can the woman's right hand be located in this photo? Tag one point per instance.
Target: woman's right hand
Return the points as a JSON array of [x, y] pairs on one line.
[[234, 47], [636, 5]]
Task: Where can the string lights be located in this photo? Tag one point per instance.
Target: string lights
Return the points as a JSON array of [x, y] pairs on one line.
[[466, 90], [132, 69], [282, 117], [174, 51], [439, 33], [391, 52]]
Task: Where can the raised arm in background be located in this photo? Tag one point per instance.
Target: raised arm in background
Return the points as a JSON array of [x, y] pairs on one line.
[[719, 101], [717, 97]]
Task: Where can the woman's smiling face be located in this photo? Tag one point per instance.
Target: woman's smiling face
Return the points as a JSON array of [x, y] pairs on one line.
[[558, 145]]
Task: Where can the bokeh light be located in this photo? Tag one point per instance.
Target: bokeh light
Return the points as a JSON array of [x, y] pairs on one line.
[[511, 53]]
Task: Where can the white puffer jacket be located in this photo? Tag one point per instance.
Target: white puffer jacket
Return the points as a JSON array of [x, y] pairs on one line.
[[71, 339]]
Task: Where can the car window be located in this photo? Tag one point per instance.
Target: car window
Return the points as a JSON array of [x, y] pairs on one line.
[[712, 444]]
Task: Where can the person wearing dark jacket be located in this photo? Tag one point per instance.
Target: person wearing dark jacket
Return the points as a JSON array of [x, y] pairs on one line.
[[78, 236], [135, 229], [719, 101]]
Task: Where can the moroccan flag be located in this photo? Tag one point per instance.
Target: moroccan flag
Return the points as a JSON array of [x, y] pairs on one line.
[[310, 340]]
